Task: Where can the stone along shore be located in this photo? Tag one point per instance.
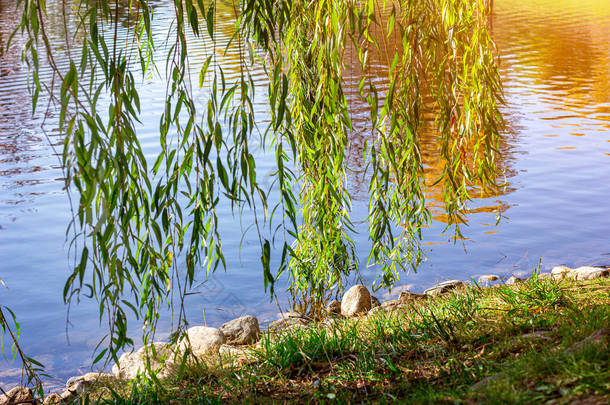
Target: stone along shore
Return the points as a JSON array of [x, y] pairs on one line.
[[233, 341]]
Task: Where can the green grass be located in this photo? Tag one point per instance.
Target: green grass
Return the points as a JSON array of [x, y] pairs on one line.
[[435, 351]]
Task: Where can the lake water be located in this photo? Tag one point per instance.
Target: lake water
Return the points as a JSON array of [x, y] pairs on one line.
[[554, 58]]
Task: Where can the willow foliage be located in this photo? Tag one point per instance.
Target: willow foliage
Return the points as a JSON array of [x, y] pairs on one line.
[[142, 232]]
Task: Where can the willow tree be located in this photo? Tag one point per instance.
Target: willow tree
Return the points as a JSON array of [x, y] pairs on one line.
[[143, 230]]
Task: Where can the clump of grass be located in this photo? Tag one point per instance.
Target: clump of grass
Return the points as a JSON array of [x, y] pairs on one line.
[[472, 345], [527, 303]]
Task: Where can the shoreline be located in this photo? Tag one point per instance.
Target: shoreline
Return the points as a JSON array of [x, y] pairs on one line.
[[238, 343]]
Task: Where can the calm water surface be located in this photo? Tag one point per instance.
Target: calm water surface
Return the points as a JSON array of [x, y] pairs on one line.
[[555, 65]]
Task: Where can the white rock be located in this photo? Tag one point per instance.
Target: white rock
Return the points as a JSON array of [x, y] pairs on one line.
[[126, 364], [202, 341], [77, 388], [229, 350], [589, 273], [241, 331], [560, 272], [130, 364], [356, 301]]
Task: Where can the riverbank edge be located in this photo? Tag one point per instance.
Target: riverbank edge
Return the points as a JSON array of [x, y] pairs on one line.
[[369, 352]]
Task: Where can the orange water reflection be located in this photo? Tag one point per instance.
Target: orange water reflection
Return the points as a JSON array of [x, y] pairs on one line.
[[561, 52], [376, 72], [554, 60]]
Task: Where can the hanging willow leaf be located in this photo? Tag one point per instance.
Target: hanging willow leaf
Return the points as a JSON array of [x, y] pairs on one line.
[[136, 227]]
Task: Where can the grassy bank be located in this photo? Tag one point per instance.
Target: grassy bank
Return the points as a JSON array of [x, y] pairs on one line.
[[525, 343]]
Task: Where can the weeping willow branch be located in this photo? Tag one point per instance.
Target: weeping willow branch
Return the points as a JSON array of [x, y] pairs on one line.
[[442, 64], [144, 234], [30, 368], [446, 68]]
